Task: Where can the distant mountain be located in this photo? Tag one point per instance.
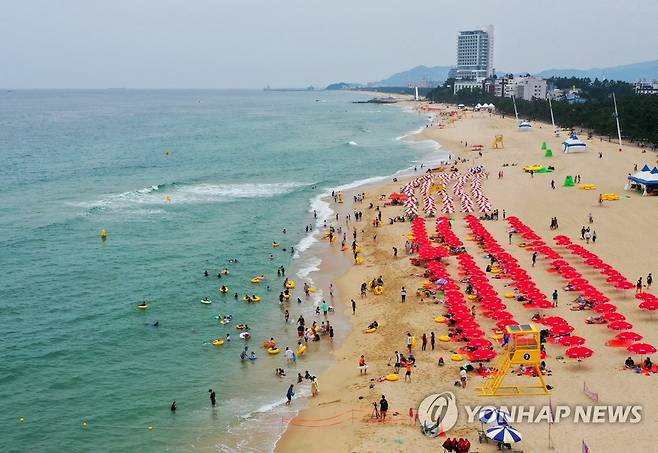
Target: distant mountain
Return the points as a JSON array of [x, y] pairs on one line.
[[628, 73], [415, 75]]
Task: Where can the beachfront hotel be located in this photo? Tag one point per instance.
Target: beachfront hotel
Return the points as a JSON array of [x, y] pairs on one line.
[[474, 54]]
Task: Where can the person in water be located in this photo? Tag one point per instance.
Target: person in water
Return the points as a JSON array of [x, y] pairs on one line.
[[205, 273], [173, 407], [243, 354], [252, 356], [213, 400]]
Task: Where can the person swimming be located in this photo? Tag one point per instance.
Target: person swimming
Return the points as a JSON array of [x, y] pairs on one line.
[[205, 273], [225, 271], [252, 356], [243, 354]]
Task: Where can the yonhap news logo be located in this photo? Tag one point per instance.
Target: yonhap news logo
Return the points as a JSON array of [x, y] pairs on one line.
[[438, 413]]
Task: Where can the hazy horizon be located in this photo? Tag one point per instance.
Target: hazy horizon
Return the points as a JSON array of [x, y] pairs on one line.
[[209, 44]]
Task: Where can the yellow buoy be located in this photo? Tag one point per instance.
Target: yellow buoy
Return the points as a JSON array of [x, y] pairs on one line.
[[456, 358], [167, 198], [103, 234]]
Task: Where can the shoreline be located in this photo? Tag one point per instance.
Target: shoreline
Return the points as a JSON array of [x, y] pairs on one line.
[[339, 392]]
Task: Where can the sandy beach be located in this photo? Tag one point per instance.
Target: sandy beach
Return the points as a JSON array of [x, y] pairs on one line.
[[339, 418]]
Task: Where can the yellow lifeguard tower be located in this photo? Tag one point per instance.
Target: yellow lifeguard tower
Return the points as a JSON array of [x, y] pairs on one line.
[[498, 142], [521, 347]]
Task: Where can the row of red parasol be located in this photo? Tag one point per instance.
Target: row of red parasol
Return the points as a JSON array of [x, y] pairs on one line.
[[480, 348], [649, 302], [558, 326], [608, 311], [510, 266]]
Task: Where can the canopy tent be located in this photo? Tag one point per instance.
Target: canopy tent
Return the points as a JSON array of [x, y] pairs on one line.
[[573, 144], [643, 180]]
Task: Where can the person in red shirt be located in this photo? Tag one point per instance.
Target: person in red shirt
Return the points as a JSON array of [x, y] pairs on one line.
[[407, 374], [363, 368]]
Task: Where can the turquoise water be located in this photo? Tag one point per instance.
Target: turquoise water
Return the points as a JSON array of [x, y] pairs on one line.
[[182, 181]]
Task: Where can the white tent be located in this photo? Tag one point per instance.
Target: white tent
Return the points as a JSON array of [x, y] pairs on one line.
[[573, 144]]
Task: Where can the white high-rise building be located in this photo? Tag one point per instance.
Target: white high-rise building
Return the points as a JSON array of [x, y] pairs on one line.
[[474, 54]]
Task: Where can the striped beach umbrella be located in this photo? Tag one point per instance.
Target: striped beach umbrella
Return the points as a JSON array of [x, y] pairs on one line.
[[504, 434], [492, 414]]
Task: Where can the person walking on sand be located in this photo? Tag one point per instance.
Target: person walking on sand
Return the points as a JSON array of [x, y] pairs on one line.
[[509, 237], [463, 377], [213, 400], [407, 373], [638, 286], [554, 295], [289, 394], [649, 280], [588, 236], [534, 258], [397, 362], [364, 290], [353, 307], [410, 341], [424, 342], [590, 218], [403, 294], [363, 368], [594, 237], [432, 340], [553, 184]]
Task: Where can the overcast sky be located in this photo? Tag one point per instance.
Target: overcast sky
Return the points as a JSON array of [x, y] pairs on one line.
[[251, 43]]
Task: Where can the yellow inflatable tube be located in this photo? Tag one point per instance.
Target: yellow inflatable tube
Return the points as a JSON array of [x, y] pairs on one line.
[[371, 330], [217, 342], [290, 284], [273, 351], [441, 319], [392, 377], [378, 290]]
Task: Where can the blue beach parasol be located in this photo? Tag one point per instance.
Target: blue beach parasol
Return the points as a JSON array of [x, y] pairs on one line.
[[491, 414], [504, 433]]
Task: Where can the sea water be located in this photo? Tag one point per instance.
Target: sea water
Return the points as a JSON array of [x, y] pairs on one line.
[[183, 181]]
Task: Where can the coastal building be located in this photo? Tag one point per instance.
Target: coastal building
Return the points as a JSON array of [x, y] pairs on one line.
[[530, 87], [474, 58], [646, 87]]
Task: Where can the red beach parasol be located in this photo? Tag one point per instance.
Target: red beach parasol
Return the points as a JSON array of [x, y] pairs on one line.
[[620, 325], [641, 349]]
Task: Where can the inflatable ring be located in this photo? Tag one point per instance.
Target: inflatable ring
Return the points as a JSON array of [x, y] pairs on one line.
[[290, 284], [301, 349], [371, 330], [392, 377], [413, 341], [143, 307], [357, 249], [273, 351], [241, 326], [245, 335], [471, 297], [359, 260], [256, 280], [311, 289], [444, 338], [378, 290], [441, 319], [456, 358], [522, 244], [275, 244], [223, 289], [206, 302], [255, 299], [509, 296], [411, 237], [285, 296], [224, 321], [217, 342]]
